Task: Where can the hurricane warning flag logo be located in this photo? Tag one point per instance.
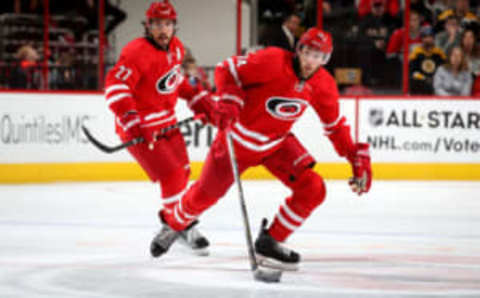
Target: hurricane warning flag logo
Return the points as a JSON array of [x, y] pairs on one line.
[[287, 109], [169, 82]]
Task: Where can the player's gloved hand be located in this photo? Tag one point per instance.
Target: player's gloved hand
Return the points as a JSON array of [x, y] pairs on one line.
[[151, 135], [133, 127], [362, 171], [154, 133], [204, 108], [130, 123], [226, 112]]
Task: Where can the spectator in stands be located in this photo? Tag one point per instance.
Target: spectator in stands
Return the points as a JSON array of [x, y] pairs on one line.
[[421, 6], [391, 6], [374, 32], [395, 44], [283, 36], [63, 75], [470, 47], [194, 74], [440, 6], [476, 88], [326, 7], [25, 75], [453, 78], [424, 61], [377, 25], [450, 37], [462, 12]]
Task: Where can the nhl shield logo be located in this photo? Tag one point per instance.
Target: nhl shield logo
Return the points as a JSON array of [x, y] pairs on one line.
[[375, 117]]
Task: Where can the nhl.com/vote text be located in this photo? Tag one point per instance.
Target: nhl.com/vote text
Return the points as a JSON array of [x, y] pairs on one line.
[[440, 144], [423, 129]]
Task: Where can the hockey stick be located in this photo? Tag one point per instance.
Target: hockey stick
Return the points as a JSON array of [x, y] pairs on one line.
[[259, 273], [108, 149]]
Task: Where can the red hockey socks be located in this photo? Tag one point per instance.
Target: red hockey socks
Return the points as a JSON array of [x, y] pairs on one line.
[[188, 208], [308, 192]]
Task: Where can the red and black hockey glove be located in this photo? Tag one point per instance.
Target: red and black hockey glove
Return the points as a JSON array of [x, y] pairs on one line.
[[362, 171]]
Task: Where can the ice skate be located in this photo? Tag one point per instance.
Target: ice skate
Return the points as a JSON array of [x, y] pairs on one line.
[[193, 239], [163, 240], [271, 253]]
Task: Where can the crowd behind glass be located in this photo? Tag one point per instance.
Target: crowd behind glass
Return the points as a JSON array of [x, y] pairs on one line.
[[368, 57]]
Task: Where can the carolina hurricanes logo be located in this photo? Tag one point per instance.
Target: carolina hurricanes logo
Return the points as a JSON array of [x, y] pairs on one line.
[[169, 82], [287, 109]]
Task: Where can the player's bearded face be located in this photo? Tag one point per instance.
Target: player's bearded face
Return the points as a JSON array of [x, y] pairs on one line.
[[161, 31], [310, 60]]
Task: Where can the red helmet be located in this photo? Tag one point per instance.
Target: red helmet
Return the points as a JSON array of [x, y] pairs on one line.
[[319, 40], [161, 10]]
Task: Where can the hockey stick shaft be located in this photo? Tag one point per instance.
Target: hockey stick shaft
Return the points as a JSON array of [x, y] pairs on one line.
[[108, 149], [243, 206]]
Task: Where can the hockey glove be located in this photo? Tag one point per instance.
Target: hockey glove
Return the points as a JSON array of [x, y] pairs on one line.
[[203, 106], [134, 128], [362, 172], [151, 135], [226, 112], [130, 124]]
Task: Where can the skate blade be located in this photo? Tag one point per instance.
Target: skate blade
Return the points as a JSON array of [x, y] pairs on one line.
[[201, 252], [274, 264]]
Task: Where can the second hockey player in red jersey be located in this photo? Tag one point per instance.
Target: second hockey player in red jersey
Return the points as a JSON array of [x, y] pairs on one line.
[[142, 91], [265, 93]]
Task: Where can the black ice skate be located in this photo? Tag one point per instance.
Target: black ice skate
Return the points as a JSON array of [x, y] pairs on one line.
[[271, 253], [163, 240], [193, 239]]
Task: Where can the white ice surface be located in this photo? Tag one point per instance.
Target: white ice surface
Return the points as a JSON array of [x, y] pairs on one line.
[[404, 239]]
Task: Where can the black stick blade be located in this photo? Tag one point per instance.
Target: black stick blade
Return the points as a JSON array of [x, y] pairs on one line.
[[95, 142], [106, 148]]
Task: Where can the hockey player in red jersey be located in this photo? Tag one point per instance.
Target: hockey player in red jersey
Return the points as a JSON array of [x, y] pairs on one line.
[[265, 93], [142, 91]]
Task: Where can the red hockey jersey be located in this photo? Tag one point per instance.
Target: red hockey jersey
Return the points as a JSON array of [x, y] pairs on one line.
[[148, 79], [273, 97]]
